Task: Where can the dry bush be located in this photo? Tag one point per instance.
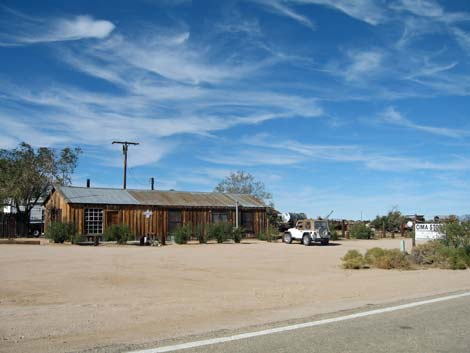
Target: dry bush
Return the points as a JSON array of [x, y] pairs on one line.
[[353, 260]]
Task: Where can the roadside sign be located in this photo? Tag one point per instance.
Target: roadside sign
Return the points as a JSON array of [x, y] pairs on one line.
[[427, 231]]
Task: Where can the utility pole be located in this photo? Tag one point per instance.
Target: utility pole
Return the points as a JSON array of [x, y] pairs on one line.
[[125, 145]]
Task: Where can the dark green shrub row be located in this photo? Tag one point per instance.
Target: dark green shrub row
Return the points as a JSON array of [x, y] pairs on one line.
[[220, 232], [119, 233]]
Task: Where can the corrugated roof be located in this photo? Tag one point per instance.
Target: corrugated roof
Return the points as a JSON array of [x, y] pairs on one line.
[[97, 195], [157, 197]]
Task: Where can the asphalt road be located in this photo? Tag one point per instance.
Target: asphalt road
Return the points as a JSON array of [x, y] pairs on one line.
[[436, 327]]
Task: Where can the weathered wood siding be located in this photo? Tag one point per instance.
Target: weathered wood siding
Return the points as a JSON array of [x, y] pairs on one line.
[[134, 216]]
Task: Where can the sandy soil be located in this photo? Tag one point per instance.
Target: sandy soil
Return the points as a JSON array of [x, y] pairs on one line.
[[69, 298]]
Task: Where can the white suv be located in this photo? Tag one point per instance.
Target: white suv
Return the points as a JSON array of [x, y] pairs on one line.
[[308, 231]]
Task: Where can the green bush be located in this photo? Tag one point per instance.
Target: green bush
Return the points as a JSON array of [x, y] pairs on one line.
[[334, 235], [183, 233], [200, 234], [61, 232], [457, 234], [270, 234], [372, 255], [77, 238], [436, 254], [237, 234], [361, 231], [119, 233], [393, 259], [220, 231], [353, 260], [378, 258]]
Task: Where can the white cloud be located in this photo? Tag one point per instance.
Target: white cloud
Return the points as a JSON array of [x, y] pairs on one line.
[[18, 29], [81, 27], [363, 64], [297, 153], [281, 8], [463, 38], [392, 116], [372, 12]]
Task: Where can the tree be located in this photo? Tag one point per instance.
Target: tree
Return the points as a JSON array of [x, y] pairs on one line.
[[26, 175], [391, 222], [242, 182]]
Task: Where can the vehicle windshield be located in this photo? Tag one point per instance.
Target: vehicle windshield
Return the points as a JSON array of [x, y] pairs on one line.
[[321, 225]]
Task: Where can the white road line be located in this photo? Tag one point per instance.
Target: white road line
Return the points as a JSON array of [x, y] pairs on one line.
[[213, 341]]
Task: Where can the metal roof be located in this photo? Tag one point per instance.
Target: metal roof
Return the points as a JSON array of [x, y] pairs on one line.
[[156, 197], [96, 195]]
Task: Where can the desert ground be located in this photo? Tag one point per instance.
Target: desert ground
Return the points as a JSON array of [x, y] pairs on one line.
[[69, 298]]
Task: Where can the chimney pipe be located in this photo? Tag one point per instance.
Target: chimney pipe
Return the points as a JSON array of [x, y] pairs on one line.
[[88, 183], [152, 183]]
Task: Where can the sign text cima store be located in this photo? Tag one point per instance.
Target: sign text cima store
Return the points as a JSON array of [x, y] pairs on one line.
[[427, 231]]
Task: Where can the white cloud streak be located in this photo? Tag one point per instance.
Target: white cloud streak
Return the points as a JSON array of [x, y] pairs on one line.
[[392, 116], [26, 30]]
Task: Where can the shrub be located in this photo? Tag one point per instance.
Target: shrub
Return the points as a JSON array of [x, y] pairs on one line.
[[372, 255], [60, 232], [182, 234], [361, 231], [237, 234], [271, 234], [220, 231], [457, 235], [334, 235], [437, 254], [393, 259], [77, 238], [119, 233], [353, 260], [200, 234]]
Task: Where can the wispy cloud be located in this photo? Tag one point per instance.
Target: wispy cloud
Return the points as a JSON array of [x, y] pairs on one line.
[[298, 153], [25, 30], [282, 8], [392, 116], [363, 64], [369, 11]]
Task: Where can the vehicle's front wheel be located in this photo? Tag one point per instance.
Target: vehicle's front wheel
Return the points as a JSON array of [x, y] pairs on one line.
[[287, 238], [306, 240], [325, 241]]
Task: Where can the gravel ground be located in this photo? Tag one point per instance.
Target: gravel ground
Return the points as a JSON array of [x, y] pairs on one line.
[[69, 298]]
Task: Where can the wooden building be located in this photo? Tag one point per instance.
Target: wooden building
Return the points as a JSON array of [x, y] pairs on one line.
[[150, 212]]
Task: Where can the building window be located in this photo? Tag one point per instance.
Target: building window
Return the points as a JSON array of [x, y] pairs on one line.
[[93, 220], [174, 221], [220, 217]]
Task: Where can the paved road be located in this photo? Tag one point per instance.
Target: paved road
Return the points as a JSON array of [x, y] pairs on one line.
[[436, 327]]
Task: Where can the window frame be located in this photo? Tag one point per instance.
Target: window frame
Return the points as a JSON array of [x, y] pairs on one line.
[[93, 219]]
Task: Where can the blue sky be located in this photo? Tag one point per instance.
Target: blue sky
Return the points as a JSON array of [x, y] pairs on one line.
[[335, 105]]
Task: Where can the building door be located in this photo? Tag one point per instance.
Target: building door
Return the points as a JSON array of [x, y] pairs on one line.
[[112, 218], [247, 221]]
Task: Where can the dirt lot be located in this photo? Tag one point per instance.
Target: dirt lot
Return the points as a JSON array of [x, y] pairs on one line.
[[69, 298]]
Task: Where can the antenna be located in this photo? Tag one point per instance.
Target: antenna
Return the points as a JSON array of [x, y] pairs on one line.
[[125, 145], [329, 214]]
